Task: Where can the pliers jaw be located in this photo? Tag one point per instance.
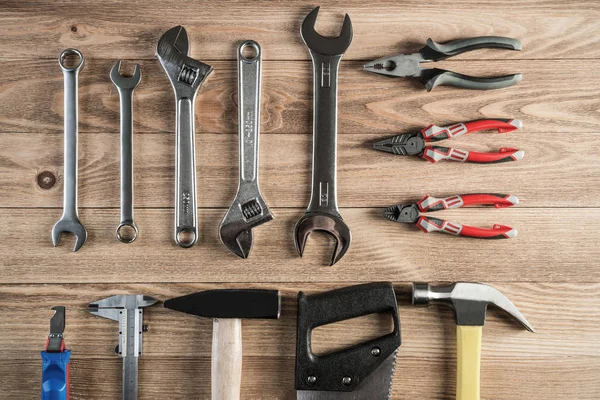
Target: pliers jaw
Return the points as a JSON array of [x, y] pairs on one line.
[[398, 65], [408, 214], [407, 144]]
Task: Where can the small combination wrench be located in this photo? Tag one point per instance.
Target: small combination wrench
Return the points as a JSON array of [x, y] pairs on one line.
[[322, 213], [127, 231], [69, 222], [186, 75], [248, 209]]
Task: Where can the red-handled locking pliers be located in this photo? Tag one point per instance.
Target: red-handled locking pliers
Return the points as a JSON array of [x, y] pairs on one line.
[[415, 144], [411, 214]]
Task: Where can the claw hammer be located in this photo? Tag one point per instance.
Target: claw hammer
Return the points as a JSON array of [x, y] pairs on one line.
[[469, 301]]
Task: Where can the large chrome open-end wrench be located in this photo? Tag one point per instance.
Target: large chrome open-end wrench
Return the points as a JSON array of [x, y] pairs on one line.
[[186, 76], [322, 213], [248, 209], [127, 231], [69, 222]]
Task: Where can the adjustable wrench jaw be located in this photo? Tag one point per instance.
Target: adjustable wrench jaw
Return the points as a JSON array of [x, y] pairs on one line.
[[248, 211], [185, 73]]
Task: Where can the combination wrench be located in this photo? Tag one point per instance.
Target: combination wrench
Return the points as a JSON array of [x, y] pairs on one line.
[[127, 231], [186, 75], [322, 213], [69, 222], [248, 209]]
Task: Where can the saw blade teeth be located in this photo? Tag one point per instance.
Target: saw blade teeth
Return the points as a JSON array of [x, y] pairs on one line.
[[395, 355]]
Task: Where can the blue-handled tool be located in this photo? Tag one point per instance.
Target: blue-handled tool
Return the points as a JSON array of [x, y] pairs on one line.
[[55, 360]]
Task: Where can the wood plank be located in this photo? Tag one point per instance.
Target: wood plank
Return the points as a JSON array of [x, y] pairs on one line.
[[549, 29], [562, 164], [425, 363], [550, 99], [272, 378], [380, 249]]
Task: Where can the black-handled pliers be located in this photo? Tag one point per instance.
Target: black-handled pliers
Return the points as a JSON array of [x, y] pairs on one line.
[[408, 65]]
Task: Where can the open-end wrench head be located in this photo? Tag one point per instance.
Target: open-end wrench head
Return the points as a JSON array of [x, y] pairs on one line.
[[69, 226], [125, 82], [325, 45], [330, 224]]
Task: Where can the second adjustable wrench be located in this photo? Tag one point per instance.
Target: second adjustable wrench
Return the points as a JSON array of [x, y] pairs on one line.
[[248, 208], [322, 213], [69, 222], [126, 86], [186, 75]]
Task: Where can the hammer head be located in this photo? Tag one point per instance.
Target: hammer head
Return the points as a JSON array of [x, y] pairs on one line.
[[469, 301], [229, 303]]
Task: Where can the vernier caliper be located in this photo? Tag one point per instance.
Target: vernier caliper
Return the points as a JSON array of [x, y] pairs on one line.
[[128, 310]]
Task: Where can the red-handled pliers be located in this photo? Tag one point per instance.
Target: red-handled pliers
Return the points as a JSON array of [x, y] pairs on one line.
[[414, 144], [411, 214]]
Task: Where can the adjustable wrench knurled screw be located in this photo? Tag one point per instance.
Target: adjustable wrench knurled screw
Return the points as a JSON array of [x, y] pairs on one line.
[[248, 209], [126, 86], [322, 213], [69, 222], [186, 75]]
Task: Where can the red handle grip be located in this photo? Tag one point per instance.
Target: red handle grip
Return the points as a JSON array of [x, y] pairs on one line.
[[429, 224], [430, 203], [438, 153], [502, 125], [434, 133]]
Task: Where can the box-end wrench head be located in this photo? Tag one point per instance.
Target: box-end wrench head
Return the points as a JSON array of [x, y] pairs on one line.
[[69, 222], [127, 231], [248, 209]]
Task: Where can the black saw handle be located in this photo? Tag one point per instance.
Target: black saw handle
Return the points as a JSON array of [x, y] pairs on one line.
[[357, 361], [434, 51], [440, 77]]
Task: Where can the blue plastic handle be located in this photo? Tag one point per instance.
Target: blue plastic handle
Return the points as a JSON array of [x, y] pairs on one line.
[[55, 375]]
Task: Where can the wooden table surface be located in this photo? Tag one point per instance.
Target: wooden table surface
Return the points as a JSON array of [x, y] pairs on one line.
[[551, 270]]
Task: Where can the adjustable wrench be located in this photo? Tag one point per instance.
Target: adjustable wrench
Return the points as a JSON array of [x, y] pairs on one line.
[[186, 76], [322, 213], [69, 222], [248, 208], [126, 86]]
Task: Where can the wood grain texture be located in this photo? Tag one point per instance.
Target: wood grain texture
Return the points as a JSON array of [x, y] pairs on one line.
[[549, 29], [561, 163], [176, 358], [551, 270], [553, 97], [380, 249]]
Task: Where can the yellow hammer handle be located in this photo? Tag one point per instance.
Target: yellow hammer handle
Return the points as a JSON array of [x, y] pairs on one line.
[[468, 348]]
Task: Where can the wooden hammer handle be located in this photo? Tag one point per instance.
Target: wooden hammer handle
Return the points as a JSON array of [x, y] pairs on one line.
[[226, 364], [469, 359]]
